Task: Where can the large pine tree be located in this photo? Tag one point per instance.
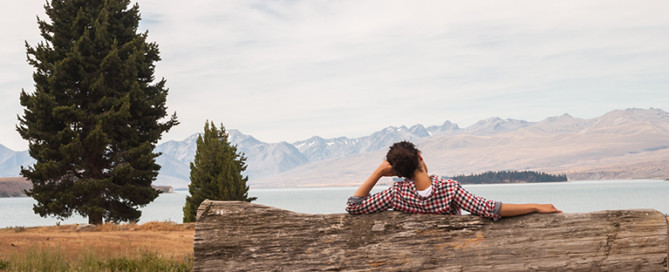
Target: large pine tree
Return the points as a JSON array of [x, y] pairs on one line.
[[216, 171], [96, 113]]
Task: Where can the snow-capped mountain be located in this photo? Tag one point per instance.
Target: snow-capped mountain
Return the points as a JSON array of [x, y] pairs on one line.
[[317, 148], [560, 143], [629, 121], [175, 161], [264, 159], [446, 127], [559, 124], [495, 125], [621, 144], [11, 161]]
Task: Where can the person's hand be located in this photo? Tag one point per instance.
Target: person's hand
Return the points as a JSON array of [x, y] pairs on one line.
[[385, 169], [547, 208]]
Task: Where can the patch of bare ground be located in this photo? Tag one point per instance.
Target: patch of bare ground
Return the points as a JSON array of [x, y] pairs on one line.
[[165, 239]]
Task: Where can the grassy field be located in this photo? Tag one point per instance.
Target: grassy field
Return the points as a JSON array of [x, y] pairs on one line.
[[153, 246]]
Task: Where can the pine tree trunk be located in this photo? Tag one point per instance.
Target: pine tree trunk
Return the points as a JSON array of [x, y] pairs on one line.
[[95, 219]]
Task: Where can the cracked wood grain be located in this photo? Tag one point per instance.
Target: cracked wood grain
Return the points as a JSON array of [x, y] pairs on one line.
[[241, 236]]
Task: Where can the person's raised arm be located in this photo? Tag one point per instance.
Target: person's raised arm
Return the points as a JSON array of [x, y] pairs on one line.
[[361, 202], [383, 170], [509, 210]]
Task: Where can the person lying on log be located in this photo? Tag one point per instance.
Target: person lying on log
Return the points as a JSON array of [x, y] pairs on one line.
[[422, 193]]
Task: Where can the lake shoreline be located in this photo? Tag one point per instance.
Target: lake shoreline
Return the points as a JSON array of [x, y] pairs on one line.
[[16, 187], [571, 197], [13, 187]]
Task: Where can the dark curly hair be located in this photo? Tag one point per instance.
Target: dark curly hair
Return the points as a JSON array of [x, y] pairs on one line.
[[403, 157]]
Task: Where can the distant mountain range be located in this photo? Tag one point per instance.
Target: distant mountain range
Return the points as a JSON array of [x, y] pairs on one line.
[[632, 143], [11, 161]]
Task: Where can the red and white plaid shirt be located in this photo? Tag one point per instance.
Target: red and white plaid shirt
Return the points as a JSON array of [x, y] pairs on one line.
[[447, 197]]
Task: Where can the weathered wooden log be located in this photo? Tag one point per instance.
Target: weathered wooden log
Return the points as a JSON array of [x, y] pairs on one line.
[[241, 236]]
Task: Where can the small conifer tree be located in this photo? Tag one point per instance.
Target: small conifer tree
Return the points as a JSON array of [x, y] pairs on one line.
[[216, 171]]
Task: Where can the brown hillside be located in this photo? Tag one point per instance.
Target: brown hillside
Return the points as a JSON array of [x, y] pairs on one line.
[[13, 187]]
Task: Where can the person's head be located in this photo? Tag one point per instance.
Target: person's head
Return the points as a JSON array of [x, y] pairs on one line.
[[405, 159]]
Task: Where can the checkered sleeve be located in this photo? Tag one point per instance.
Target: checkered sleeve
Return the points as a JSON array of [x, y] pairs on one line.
[[475, 204], [378, 202]]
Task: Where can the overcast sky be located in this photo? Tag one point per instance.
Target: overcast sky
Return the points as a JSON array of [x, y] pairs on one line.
[[289, 70]]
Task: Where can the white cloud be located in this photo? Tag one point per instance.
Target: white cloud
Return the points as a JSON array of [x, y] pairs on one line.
[[288, 70]]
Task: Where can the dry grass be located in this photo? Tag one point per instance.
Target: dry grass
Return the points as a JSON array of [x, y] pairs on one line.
[[165, 239]]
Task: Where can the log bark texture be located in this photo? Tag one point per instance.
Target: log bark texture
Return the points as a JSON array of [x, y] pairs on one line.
[[241, 236]]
